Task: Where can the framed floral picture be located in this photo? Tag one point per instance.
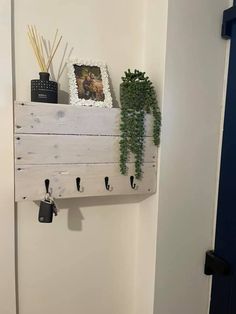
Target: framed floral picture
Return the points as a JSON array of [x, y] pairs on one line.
[[88, 83]]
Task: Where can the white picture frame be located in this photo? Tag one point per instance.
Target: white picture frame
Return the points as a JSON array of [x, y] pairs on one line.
[[89, 84]]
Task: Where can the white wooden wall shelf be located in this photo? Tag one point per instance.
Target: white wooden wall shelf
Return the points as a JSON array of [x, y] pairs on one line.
[[76, 148]]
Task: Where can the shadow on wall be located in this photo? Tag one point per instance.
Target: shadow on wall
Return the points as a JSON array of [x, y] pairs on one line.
[[75, 217], [115, 103], [63, 96]]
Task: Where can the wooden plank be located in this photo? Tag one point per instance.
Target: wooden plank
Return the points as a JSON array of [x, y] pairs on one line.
[[29, 181], [41, 118], [56, 149]]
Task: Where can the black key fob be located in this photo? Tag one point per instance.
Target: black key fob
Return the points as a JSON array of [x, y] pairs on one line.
[[45, 212]]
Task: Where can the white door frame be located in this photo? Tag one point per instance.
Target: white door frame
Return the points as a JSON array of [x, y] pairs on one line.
[[7, 233]]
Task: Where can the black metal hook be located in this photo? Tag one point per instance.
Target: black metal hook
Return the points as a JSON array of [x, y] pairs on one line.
[[133, 185], [107, 185], [47, 182], [78, 181]]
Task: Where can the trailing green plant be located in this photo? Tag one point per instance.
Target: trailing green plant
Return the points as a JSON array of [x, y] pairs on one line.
[[138, 97]]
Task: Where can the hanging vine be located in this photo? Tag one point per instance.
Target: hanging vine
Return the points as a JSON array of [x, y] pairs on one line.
[[138, 97]]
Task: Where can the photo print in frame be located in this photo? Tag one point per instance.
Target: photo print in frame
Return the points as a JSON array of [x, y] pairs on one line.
[[88, 84]]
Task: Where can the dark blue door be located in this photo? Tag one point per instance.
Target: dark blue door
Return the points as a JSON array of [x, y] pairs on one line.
[[223, 299]]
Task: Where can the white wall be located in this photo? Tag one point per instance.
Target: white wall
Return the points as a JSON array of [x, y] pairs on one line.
[[155, 32], [86, 260], [192, 108], [110, 31], [83, 262], [7, 259], [154, 46]]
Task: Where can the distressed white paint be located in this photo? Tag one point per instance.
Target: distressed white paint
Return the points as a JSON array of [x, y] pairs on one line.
[[7, 258], [67, 119], [55, 149], [30, 181], [63, 158]]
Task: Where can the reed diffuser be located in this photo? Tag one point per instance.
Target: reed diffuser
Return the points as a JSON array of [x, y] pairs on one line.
[[43, 90]]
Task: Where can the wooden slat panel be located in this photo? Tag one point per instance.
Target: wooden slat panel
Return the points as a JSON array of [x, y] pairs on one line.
[[55, 149], [43, 118], [29, 181]]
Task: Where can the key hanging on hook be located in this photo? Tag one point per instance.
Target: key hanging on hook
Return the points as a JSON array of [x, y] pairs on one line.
[[47, 206], [47, 182]]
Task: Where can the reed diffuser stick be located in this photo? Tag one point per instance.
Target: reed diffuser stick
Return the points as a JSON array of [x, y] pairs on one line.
[[35, 47], [44, 60], [35, 51]]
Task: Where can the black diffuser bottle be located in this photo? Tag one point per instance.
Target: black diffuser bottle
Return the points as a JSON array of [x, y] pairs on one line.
[[44, 90]]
